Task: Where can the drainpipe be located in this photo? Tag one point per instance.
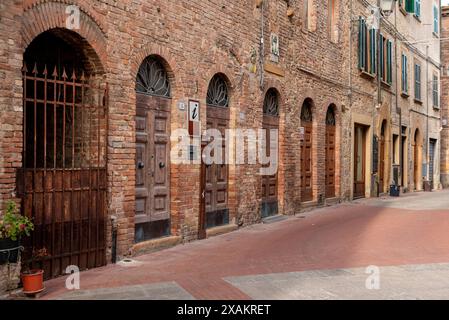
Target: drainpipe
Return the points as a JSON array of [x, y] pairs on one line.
[[398, 109], [427, 116], [114, 225], [262, 45]]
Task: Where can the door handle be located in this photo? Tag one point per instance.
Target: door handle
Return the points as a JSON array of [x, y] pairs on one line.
[[161, 165], [140, 165], [203, 194]]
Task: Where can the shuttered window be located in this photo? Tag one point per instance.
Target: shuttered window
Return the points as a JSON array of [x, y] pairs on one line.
[[386, 60], [404, 78], [367, 48], [435, 92], [436, 19], [410, 6], [418, 82], [418, 8]]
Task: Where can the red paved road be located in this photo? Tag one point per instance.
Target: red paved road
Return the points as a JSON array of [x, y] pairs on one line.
[[345, 236]]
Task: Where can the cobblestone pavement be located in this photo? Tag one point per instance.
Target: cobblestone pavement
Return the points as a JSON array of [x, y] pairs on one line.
[[322, 254]]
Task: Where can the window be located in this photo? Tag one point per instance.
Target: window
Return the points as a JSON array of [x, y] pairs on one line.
[[333, 23], [436, 26], [418, 82], [367, 48], [408, 6], [386, 59], [404, 78], [310, 15], [418, 8], [435, 93]]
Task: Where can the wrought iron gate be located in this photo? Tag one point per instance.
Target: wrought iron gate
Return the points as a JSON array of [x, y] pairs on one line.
[[63, 179]]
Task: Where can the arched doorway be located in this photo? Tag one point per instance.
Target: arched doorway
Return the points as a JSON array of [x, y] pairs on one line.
[[417, 160], [330, 152], [153, 104], [306, 151], [63, 180], [382, 154], [217, 173], [270, 122]]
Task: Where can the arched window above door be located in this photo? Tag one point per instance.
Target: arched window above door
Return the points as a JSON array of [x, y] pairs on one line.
[[306, 111], [217, 92], [330, 117], [152, 78], [271, 103]]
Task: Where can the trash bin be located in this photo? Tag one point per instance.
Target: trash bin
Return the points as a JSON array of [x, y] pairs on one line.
[[395, 190]]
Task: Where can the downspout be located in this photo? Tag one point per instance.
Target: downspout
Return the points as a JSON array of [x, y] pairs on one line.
[[398, 109], [262, 46], [427, 115], [351, 16], [114, 239]]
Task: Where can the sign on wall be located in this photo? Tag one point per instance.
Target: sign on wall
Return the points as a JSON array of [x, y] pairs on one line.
[[194, 118]]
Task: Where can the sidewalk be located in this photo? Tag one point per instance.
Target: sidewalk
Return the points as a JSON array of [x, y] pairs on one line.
[[268, 259]]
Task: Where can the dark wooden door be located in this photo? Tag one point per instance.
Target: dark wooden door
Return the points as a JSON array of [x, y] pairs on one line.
[[432, 147], [216, 179], [152, 167], [382, 164], [359, 161], [415, 165], [330, 161], [269, 182], [306, 163]]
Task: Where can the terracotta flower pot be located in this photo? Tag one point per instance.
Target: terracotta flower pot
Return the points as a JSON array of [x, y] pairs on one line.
[[33, 281]]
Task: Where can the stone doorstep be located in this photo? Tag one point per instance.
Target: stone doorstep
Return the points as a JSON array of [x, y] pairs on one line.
[[308, 206], [155, 245], [274, 219], [221, 230]]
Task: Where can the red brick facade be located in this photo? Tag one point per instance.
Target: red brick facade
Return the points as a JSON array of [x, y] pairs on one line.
[[196, 40]]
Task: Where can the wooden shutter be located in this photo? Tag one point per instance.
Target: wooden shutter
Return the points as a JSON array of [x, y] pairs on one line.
[[410, 6], [435, 19], [362, 42], [389, 62]]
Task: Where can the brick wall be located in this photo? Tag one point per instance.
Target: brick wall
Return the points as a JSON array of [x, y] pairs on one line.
[[197, 39]]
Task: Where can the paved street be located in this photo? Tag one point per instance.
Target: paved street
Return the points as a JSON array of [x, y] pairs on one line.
[[323, 254]]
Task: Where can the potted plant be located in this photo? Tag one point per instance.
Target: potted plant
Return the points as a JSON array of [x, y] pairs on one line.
[[33, 279], [13, 227]]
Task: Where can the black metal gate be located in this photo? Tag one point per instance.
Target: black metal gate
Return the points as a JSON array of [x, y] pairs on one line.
[[63, 179]]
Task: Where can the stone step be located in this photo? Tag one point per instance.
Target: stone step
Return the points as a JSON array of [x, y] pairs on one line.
[[274, 219]]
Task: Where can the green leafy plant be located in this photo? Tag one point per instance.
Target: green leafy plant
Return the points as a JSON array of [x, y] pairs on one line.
[[13, 225]]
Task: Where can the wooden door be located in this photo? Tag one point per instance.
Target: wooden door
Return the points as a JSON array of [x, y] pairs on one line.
[[330, 161], [216, 174], [269, 182], [359, 161], [306, 163], [382, 164], [415, 165], [432, 147], [152, 167]]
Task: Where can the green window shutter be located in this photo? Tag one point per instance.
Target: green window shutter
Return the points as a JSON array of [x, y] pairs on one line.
[[436, 26], [389, 62], [418, 8], [410, 6], [381, 56], [405, 75], [362, 64], [417, 81], [373, 48]]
